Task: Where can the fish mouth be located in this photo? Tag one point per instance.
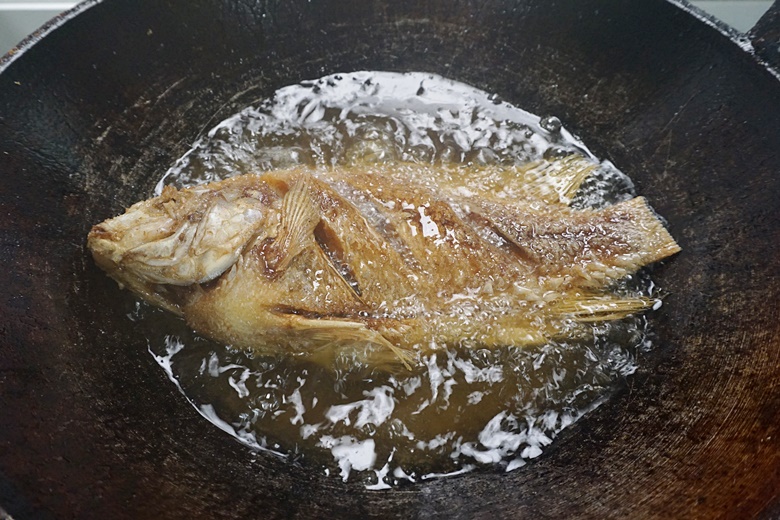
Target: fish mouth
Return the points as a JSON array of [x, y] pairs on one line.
[[103, 243]]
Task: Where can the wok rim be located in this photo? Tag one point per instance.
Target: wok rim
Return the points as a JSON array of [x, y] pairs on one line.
[[44, 30], [741, 40], [753, 60]]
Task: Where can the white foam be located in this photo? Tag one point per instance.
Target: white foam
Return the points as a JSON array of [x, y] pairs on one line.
[[350, 453], [375, 410]]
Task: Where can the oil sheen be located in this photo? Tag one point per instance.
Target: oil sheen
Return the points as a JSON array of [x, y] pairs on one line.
[[463, 406]]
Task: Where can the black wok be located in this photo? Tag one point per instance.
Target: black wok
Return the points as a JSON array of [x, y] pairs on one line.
[[90, 115]]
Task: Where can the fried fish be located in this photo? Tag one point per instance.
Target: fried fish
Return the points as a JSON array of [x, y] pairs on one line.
[[384, 260]]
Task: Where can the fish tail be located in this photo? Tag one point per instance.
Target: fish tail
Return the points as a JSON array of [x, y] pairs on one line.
[[656, 242]]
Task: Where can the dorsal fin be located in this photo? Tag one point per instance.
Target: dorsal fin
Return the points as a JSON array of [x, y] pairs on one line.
[[556, 182]]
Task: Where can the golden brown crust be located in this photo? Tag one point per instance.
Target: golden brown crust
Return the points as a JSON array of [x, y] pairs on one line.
[[392, 256]]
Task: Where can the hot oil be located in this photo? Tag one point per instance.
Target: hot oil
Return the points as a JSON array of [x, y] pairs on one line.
[[463, 406]]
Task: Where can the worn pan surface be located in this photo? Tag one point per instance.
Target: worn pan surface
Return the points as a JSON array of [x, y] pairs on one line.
[[94, 111]]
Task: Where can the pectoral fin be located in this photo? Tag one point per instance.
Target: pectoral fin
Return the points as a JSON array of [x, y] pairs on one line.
[[299, 216]]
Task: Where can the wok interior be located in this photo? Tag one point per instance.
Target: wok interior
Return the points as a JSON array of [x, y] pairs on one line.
[[95, 111]]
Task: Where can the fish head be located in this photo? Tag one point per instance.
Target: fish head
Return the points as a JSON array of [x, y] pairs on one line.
[[181, 237]]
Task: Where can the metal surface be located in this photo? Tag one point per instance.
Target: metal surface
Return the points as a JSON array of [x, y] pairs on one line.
[[90, 115]]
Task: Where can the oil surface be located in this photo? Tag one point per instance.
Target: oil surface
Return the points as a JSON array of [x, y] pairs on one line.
[[462, 407]]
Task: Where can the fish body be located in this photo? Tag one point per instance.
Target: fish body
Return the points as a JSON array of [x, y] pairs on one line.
[[385, 260]]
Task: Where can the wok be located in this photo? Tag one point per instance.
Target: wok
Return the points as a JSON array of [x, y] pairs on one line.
[[101, 101]]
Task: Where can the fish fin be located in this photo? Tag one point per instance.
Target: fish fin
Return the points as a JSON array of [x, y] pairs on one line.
[[299, 216], [333, 332], [594, 308], [557, 181], [517, 332], [520, 331], [657, 242], [516, 328], [551, 181]]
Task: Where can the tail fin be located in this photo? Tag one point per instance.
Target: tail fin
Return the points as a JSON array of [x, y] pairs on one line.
[[656, 242]]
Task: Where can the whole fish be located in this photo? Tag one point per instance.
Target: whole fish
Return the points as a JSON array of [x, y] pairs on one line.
[[385, 261]]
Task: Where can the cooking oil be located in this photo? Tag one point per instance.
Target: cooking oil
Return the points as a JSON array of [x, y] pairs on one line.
[[463, 406]]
